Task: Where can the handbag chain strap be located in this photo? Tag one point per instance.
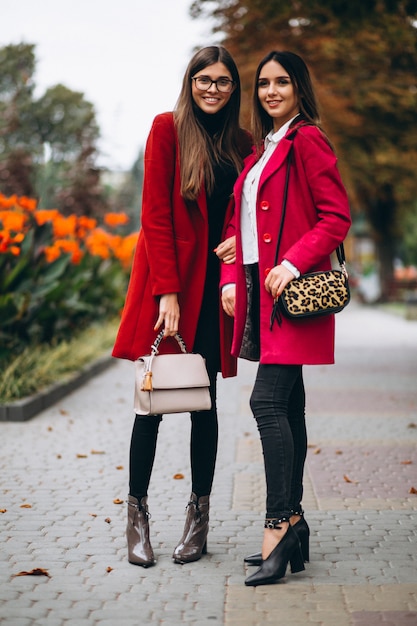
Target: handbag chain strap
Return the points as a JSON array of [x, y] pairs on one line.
[[177, 336]]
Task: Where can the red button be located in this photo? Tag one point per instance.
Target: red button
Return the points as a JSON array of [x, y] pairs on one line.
[[265, 205], [267, 237], [266, 272]]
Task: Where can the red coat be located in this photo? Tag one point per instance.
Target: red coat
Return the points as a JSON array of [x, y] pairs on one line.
[[316, 222], [170, 256]]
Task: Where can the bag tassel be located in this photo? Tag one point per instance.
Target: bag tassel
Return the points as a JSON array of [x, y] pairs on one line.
[[147, 382]]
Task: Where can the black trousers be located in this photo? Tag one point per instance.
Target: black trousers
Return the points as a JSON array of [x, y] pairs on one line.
[[278, 405], [203, 448]]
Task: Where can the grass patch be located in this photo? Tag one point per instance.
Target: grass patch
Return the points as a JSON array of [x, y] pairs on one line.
[[42, 365]]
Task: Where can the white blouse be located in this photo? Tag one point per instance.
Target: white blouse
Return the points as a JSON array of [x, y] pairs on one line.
[[250, 194]]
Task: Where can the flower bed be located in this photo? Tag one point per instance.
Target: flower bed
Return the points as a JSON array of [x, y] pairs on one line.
[[58, 274]]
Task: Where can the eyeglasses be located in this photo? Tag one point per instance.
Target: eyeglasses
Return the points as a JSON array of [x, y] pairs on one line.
[[203, 83]]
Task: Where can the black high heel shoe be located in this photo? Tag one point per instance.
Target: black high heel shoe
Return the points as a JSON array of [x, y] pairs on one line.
[[275, 565], [303, 531]]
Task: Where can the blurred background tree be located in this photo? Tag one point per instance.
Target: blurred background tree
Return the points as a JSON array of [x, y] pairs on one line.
[[363, 57], [48, 146], [19, 145]]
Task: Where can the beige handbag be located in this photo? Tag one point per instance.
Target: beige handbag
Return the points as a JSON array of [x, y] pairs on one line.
[[171, 383]]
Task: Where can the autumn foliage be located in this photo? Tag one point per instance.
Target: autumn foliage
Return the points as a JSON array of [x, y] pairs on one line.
[[58, 273]]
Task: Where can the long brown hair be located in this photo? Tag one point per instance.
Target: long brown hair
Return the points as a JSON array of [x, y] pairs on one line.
[[198, 151], [298, 71]]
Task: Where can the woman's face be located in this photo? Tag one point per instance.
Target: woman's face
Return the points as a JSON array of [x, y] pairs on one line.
[[209, 96], [276, 94]]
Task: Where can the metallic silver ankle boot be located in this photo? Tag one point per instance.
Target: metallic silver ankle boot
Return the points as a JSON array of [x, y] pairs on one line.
[[137, 533], [194, 539]]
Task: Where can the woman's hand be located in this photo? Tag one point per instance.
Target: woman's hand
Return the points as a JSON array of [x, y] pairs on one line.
[[277, 279], [226, 251], [169, 314], [228, 300]]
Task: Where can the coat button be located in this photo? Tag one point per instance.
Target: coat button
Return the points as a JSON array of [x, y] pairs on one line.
[[265, 205], [266, 271], [267, 237]]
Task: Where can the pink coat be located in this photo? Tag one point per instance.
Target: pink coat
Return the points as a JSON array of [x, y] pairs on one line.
[[171, 254], [317, 221]]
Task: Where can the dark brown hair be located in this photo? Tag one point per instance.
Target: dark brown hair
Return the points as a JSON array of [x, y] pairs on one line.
[[299, 74], [198, 151]]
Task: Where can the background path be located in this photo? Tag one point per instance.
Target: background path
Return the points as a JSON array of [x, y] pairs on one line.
[[63, 473]]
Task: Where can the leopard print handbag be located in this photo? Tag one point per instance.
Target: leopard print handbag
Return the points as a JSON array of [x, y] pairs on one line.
[[318, 293]]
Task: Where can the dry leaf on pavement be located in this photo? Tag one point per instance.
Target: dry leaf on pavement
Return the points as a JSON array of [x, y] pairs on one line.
[[348, 480], [38, 571]]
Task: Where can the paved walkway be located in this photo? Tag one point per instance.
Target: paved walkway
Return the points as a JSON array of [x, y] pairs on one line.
[[64, 473]]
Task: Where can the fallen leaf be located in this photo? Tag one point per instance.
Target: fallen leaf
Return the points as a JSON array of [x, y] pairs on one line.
[[59, 456], [63, 412], [317, 451], [108, 520], [338, 452], [117, 501], [97, 452], [38, 571], [412, 425], [413, 490], [407, 462], [178, 476], [81, 456], [49, 428], [312, 445], [109, 569], [26, 506], [3, 510], [93, 514], [119, 467], [348, 480]]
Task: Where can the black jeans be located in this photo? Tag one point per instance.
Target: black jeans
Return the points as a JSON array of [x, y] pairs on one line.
[[203, 448], [278, 405]]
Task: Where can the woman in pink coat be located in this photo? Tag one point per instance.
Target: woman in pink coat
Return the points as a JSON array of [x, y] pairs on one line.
[[316, 222], [192, 159]]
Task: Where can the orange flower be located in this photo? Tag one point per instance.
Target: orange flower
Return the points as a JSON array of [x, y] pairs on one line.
[[85, 225], [116, 219], [99, 243], [69, 246], [64, 226], [13, 221], [7, 242], [45, 215], [124, 250], [4, 240], [52, 253], [27, 203], [8, 202]]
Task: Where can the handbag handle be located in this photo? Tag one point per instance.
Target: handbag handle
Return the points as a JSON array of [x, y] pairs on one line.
[[177, 336], [147, 374]]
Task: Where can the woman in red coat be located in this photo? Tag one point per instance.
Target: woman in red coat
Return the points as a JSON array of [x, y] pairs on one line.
[[316, 222], [192, 159]]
